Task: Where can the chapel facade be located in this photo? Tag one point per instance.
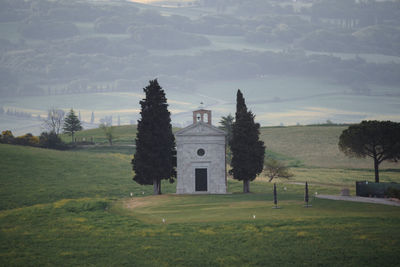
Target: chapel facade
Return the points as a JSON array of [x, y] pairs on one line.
[[201, 159]]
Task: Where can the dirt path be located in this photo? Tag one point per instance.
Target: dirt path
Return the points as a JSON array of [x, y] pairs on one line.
[[384, 201]]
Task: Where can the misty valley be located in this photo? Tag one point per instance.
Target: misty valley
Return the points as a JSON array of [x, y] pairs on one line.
[[298, 62]]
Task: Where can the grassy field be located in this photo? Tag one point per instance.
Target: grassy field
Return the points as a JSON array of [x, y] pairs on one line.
[[299, 146], [201, 231], [315, 146], [123, 135], [74, 208], [32, 176]]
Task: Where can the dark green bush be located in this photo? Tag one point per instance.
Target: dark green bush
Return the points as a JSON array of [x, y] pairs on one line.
[[368, 189], [393, 192], [51, 140]]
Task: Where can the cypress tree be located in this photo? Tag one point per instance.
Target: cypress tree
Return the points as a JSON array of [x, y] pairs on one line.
[[247, 150], [155, 156], [306, 194]]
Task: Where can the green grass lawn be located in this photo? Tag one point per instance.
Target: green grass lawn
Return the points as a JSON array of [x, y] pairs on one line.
[[201, 231], [34, 176], [118, 149], [74, 208]]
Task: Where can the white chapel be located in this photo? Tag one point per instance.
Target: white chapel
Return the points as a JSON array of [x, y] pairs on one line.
[[201, 159]]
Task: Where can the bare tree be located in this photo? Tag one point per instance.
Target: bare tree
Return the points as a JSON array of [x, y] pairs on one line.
[[54, 121], [108, 132], [276, 169]]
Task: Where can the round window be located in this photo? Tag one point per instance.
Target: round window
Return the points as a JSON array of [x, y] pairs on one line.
[[200, 152]]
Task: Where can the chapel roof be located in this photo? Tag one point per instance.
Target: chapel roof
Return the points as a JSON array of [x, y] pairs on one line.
[[200, 128]]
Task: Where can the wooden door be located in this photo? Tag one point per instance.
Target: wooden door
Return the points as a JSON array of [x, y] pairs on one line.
[[201, 179]]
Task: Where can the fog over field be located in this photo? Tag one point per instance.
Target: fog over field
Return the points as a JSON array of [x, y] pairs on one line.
[[297, 62]]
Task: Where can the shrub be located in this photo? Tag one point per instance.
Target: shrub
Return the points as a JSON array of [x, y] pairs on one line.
[[51, 140], [7, 137], [27, 140], [393, 192]]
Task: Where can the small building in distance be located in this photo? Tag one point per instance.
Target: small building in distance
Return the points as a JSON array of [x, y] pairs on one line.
[[201, 159]]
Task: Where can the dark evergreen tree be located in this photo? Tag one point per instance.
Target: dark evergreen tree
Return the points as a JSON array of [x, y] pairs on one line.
[[72, 124], [155, 157], [306, 198], [379, 140], [247, 150]]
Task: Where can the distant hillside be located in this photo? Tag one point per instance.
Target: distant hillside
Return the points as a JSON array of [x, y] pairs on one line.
[[122, 134], [95, 46], [315, 146]]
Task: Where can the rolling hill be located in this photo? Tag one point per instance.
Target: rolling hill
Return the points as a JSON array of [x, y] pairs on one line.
[[314, 146], [310, 146], [74, 208]]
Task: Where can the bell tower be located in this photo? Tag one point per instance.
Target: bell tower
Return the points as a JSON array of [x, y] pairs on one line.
[[202, 115]]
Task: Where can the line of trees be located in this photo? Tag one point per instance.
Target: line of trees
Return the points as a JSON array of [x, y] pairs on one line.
[[54, 123], [45, 140], [15, 112], [207, 65]]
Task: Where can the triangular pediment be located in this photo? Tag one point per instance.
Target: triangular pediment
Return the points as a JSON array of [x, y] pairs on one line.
[[200, 128]]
